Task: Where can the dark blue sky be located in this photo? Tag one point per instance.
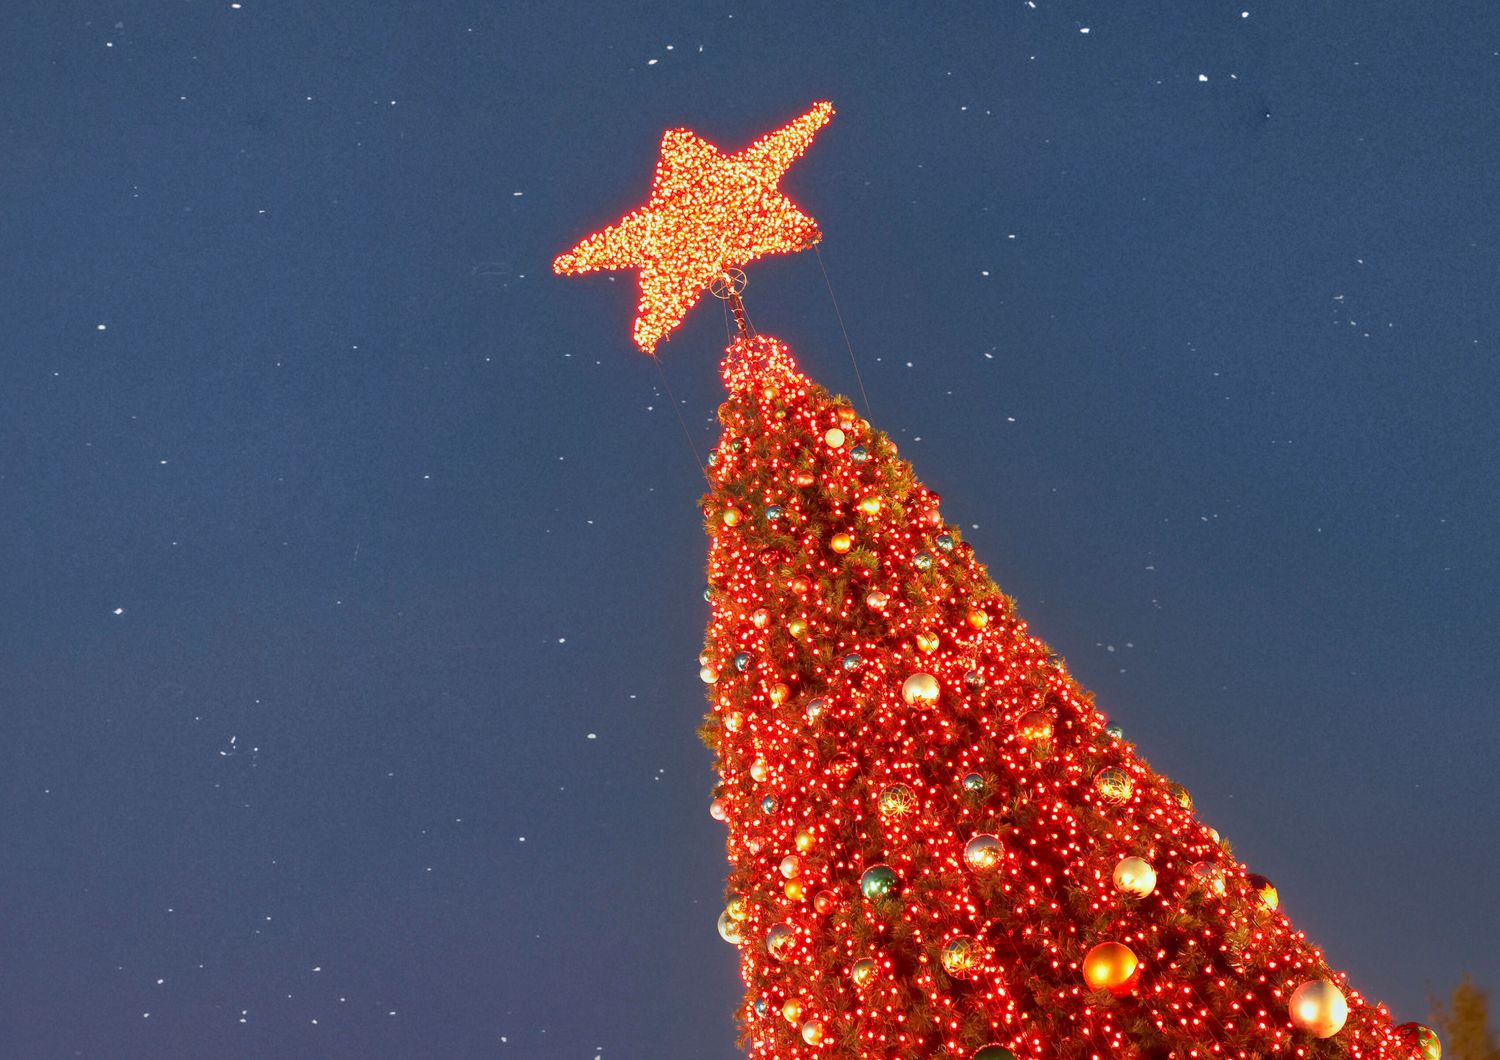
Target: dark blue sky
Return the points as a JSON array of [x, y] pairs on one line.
[[345, 546]]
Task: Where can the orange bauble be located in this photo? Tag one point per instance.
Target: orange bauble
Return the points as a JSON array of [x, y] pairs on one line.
[[1111, 966]]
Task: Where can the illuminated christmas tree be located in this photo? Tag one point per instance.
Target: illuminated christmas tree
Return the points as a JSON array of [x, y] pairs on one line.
[[938, 847]]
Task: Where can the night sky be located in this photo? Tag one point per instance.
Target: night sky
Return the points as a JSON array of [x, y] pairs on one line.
[[352, 563]]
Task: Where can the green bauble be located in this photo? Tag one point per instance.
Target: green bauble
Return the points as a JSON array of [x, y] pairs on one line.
[[879, 881], [994, 1052]]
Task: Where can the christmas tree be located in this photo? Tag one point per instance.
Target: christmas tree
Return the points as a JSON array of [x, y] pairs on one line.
[[938, 846]]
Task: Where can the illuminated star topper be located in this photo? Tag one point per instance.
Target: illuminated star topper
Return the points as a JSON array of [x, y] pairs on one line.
[[708, 212]]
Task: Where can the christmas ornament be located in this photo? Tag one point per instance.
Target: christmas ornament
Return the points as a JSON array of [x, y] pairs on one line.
[[729, 929], [1035, 726], [736, 907], [780, 941], [1114, 786], [842, 765], [794, 890], [796, 627], [841, 543], [791, 1010], [1421, 1039], [962, 956], [1265, 890], [769, 804], [920, 690], [1318, 1007], [973, 782], [708, 674], [1135, 877], [1180, 796], [708, 212], [734, 721], [779, 693], [1210, 877], [815, 708], [717, 811], [994, 1052], [974, 679], [812, 1032], [823, 902], [833, 437], [759, 617], [804, 840], [879, 881], [922, 561], [870, 505], [742, 661], [791, 865], [927, 643], [944, 542], [1114, 732], [859, 454], [896, 800], [730, 516], [863, 972], [774, 512], [851, 662], [984, 852], [759, 770], [1111, 966], [978, 618]]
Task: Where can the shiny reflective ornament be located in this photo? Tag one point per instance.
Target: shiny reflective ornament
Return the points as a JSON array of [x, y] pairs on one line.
[[974, 679], [896, 801], [717, 811], [731, 516], [979, 618], [1180, 796], [1265, 891], [833, 438], [791, 1010], [708, 675], [797, 626], [754, 844], [922, 561], [779, 693], [742, 661], [851, 662], [1035, 726], [800, 585], [1111, 966], [876, 600], [759, 770], [1135, 877], [816, 708], [1209, 876], [769, 804], [791, 865], [804, 478], [729, 929], [944, 542], [962, 956], [1114, 785], [973, 782], [760, 617], [841, 543], [842, 765], [775, 512], [812, 1032], [823, 902], [984, 852], [794, 890], [1318, 1007], [863, 972], [920, 689], [804, 840], [780, 941], [1114, 732], [933, 517], [870, 505], [927, 642], [737, 907], [1421, 1039], [879, 881], [761, 1006], [846, 415], [708, 592], [859, 454], [994, 1052], [734, 721]]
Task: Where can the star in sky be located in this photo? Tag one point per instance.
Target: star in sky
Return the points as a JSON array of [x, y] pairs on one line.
[[708, 212]]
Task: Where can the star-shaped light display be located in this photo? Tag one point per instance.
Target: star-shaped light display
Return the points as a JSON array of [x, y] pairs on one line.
[[708, 212]]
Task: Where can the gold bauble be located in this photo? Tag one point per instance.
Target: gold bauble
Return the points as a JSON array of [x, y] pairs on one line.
[[870, 505], [759, 617], [731, 516], [791, 1010], [1210, 876], [803, 478], [897, 800], [1035, 726], [1111, 966], [804, 840], [759, 770], [729, 929], [791, 865], [863, 973], [794, 889], [978, 618], [780, 941], [841, 543], [734, 721], [833, 437], [796, 627], [1114, 785], [737, 907], [846, 416], [708, 674], [920, 690], [1135, 877], [1180, 796], [812, 1032], [1318, 1007], [984, 852], [1265, 891], [962, 956], [778, 694], [928, 642], [876, 600]]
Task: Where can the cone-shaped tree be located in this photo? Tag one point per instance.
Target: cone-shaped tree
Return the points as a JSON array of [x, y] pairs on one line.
[[928, 820]]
